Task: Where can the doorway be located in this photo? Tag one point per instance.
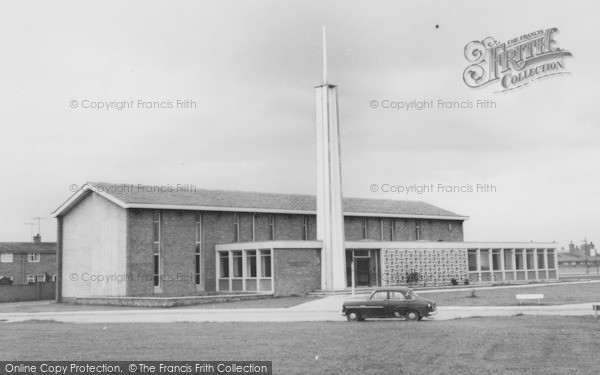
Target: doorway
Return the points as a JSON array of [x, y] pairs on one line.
[[366, 267]]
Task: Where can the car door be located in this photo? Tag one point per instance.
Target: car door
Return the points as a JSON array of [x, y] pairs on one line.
[[377, 304], [397, 303]]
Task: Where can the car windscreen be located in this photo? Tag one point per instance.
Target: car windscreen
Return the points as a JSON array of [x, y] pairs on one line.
[[412, 295]]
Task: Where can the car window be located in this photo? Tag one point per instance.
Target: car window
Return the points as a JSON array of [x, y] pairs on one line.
[[397, 296], [379, 295]]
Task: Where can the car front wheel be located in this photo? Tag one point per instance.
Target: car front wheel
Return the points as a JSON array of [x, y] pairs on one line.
[[353, 316], [413, 315]]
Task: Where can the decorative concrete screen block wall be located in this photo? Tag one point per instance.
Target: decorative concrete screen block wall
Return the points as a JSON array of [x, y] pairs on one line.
[[434, 266]]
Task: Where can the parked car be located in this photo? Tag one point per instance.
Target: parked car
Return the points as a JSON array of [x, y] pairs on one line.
[[389, 303]]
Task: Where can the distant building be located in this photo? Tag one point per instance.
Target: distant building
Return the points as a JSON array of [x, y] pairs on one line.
[[27, 262], [584, 248]]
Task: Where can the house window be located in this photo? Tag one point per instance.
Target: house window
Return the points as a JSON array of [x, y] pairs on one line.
[[236, 227], [392, 230], [32, 258], [304, 228], [449, 227], [272, 228], [157, 249], [54, 277], [6, 258], [417, 230], [365, 228], [198, 249]]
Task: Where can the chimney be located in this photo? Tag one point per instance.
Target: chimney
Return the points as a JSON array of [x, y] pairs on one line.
[[37, 238]]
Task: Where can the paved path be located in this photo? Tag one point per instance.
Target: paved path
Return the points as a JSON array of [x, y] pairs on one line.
[[325, 309]]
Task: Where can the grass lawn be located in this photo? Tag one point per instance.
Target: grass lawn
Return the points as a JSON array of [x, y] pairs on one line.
[[528, 345], [554, 294]]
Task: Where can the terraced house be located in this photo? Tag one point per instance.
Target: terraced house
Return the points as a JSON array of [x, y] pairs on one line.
[[133, 240], [27, 262]]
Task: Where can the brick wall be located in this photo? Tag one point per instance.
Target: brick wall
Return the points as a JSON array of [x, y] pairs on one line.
[[21, 267], [296, 271], [28, 292]]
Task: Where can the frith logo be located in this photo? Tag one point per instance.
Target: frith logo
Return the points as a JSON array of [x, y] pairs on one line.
[[515, 63]]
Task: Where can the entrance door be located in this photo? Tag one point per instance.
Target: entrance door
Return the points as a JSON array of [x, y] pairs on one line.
[[362, 268], [366, 267]]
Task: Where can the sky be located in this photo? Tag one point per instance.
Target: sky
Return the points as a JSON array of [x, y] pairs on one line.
[[251, 67]]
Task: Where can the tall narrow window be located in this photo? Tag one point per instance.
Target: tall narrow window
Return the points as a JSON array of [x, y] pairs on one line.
[[417, 230], [392, 230], [237, 263], [272, 227], [304, 228], [550, 259], [198, 248], [251, 263], [540, 258], [365, 228], [157, 247], [265, 263], [236, 227], [223, 265]]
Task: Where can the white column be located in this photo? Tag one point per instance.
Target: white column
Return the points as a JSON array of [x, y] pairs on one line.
[[478, 264], [330, 219]]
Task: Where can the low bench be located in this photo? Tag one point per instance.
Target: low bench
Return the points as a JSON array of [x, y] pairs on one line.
[[522, 297]]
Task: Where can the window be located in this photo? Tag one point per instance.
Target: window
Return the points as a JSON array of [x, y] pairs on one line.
[[6, 258], [365, 228], [540, 259], [392, 230], [472, 260], [156, 275], [417, 230], [484, 258], [54, 277], [224, 265], [379, 295], [519, 261], [496, 260], [35, 257], [304, 228], [449, 227], [236, 227], [551, 259], [397, 296], [198, 248], [237, 263], [157, 220], [508, 264], [265, 263], [530, 264], [272, 228], [251, 263]]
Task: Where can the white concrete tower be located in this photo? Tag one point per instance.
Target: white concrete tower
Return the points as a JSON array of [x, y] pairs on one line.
[[330, 218]]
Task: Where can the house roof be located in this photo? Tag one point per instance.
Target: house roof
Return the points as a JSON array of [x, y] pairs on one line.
[[168, 197], [27, 247]]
